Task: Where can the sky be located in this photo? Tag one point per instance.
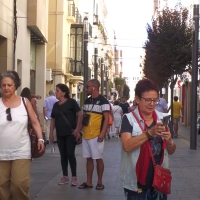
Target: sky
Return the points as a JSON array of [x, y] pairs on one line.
[[129, 18]]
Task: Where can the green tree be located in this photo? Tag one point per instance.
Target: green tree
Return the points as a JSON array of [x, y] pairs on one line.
[[119, 85], [126, 91], [169, 46]]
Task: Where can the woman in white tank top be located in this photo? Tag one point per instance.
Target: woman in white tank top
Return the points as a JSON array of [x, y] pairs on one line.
[[15, 152]]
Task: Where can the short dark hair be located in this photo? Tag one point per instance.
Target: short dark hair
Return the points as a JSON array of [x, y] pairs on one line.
[[64, 88], [145, 85], [95, 82], [26, 92], [13, 75], [116, 102], [175, 98]]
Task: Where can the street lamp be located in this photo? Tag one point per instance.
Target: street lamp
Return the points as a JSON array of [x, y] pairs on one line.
[[86, 30], [95, 58], [102, 71], [195, 45]]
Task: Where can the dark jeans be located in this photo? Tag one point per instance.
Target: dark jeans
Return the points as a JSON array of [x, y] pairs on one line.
[[66, 145], [144, 195]]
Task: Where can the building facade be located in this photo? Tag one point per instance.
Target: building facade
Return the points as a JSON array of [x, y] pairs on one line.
[[23, 38]]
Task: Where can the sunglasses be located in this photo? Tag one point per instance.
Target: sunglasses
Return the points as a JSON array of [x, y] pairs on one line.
[[9, 118], [88, 86]]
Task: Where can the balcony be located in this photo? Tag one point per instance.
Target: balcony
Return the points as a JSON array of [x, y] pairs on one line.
[[102, 30], [71, 17], [78, 17], [76, 68]]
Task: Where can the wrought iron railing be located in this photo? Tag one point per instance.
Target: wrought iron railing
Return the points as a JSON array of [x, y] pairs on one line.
[[78, 17], [71, 9]]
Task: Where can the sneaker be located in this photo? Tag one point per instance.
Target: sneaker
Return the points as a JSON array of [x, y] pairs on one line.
[[74, 181], [63, 180], [108, 136]]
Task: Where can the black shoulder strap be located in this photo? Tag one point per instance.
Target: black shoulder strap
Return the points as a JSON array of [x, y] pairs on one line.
[[65, 118]]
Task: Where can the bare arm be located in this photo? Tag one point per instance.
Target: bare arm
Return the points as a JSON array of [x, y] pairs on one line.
[[79, 123], [44, 112], [36, 125], [36, 96], [33, 103], [169, 109], [104, 128], [130, 143]]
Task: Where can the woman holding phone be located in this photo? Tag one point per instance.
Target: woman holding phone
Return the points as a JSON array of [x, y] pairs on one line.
[[143, 132]]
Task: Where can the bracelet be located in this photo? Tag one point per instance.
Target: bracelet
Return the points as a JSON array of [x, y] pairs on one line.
[[172, 144], [40, 140], [148, 135]]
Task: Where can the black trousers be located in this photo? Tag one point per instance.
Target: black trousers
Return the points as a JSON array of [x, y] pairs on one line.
[[66, 145]]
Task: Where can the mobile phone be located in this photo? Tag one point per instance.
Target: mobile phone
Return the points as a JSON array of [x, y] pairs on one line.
[[165, 119]]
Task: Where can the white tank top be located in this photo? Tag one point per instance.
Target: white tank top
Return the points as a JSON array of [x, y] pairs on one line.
[[14, 136]]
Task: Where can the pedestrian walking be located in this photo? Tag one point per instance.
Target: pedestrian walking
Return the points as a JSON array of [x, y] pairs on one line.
[[95, 123], [26, 92], [133, 107], [15, 147], [66, 109], [161, 106], [177, 114], [124, 105], [117, 115], [47, 110], [144, 140]]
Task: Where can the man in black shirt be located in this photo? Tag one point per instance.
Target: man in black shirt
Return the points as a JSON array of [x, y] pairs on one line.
[[124, 105]]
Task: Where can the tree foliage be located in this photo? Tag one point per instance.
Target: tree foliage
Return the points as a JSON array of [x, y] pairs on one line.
[[169, 45], [119, 84], [126, 91]]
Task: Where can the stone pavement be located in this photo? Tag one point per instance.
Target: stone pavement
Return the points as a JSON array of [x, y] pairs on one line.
[[46, 172]]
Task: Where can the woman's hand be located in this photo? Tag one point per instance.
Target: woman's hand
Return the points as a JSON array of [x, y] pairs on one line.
[[167, 136], [157, 129], [40, 146]]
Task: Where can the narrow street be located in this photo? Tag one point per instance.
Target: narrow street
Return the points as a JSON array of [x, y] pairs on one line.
[[46, 172]]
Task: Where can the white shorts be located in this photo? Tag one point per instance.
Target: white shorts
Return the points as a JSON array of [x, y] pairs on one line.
[[92, 149]]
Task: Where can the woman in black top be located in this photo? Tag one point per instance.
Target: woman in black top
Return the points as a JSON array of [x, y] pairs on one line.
[[68, 108]]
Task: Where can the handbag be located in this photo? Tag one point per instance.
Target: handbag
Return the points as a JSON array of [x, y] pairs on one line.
[[162, 176], [67, 121], [33, 137]]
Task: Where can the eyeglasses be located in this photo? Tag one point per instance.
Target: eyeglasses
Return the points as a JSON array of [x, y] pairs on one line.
[[9, 117], [148, 100], [87, 86]]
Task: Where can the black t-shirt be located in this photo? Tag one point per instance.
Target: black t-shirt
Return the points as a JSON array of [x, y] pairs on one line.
[[156, 146], [69, 110], [124, 107]]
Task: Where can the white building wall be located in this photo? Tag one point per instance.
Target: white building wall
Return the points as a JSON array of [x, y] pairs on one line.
[[22, 58]]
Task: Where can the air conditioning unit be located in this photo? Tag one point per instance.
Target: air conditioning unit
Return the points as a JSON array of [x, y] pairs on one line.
[[49, 75]]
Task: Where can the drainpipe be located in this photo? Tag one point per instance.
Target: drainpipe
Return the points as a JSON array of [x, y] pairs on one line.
[[15, 32]]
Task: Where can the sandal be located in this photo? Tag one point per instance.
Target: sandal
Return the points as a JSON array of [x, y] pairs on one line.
[[99, 186], [84, 186]]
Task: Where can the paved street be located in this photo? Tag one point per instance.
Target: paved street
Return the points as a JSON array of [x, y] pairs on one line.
[[46, 172]]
